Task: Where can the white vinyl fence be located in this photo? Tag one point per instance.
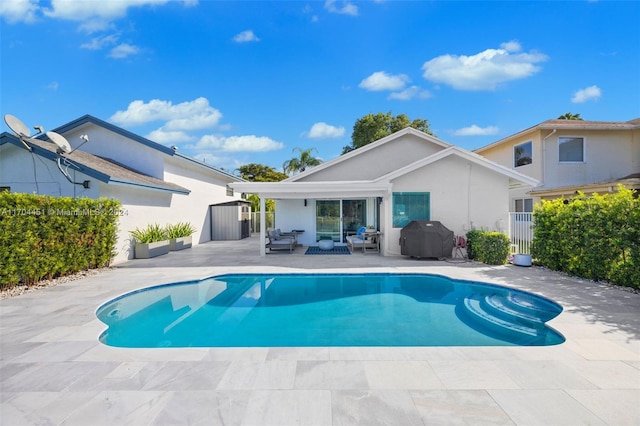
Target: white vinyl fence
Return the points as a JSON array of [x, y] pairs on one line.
[[521, 232]]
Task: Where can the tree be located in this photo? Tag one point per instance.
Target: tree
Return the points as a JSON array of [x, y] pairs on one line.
[[269, 204], [372, 127], [570, 116], [255, 172], [300, 164]]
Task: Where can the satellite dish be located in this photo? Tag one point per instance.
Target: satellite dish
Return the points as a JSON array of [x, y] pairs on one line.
[[17, 126], [63, 144]]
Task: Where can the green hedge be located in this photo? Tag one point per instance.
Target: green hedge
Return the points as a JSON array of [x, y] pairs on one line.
[[46, 237], [595, 237], [487, 247]]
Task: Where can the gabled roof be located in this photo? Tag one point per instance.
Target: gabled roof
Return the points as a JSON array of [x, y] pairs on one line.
[[101, 169], [514, 177], [89, 119], [568, 125], [368, 147], [376, 187]]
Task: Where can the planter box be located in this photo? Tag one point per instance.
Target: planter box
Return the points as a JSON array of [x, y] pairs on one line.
[[181, 243], [147, 250]]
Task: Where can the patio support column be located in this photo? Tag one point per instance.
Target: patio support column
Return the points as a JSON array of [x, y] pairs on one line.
[[263, 226]]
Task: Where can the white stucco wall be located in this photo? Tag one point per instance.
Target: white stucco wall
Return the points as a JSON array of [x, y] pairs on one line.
[[20, 170], [376, 162], [463, 196], [206, 188], [608, 156], [293, 214], [105, 143]]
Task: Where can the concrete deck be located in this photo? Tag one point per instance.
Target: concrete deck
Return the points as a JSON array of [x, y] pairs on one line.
[[53, 370]]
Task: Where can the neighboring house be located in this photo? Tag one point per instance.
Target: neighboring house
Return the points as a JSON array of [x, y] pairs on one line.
[[405, 176], [154, 183], [567, 156]]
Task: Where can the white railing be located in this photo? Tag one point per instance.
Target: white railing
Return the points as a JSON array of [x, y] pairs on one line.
[[521, 232]]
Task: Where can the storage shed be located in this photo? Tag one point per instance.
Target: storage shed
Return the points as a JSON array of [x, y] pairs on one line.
[[426, 238], [230, 220]]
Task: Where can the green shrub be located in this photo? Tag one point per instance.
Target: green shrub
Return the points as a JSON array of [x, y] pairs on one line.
[[593, 237], [491, 248], [150, 234], [46, 237], [179, 230], [473, 240]]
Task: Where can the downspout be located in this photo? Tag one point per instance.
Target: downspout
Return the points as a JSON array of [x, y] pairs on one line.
[[544, 156]]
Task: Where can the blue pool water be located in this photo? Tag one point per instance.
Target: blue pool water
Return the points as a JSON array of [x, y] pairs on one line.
[[328, 310]]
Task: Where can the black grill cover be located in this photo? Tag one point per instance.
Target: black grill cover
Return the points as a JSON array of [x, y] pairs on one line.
[[426, 238]]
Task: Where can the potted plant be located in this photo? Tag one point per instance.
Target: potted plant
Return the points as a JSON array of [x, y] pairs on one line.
[[149, 242], [179, 235]]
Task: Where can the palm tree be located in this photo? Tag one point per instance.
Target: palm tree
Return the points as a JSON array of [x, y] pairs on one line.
[[570, 116], [300, 164]]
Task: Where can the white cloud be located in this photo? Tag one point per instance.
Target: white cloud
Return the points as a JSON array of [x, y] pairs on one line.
[[591, 93], [485, 70], [19, 10], [511, 46], [249, 143], [123, 50], [380, 80], [410, 93], [474, 130], [169, 137], [98, 43], [347, 8], [229, 164], [190, 115], [322, 130], [53, 86], [245, 37]]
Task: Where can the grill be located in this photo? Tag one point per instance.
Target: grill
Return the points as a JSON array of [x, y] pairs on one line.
[[426, 238]]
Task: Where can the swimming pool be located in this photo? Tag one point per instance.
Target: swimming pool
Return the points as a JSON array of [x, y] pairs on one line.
[[262, 310]]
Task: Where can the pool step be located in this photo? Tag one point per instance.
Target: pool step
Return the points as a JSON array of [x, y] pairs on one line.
[[537, 307], [497, 305], [479, 309]]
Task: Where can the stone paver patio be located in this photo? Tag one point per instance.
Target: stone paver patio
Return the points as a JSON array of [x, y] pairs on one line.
[[54, 371]]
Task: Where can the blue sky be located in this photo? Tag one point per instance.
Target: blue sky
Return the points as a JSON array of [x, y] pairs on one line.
[[243, 82]]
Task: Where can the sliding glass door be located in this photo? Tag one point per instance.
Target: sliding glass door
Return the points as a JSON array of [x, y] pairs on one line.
[[335, 219]]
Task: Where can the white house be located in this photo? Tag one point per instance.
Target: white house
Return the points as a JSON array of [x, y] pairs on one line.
[[405, 176], [154, 183], [566, 156]]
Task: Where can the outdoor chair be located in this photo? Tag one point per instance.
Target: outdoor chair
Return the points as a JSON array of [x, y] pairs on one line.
[[367, 240], [281, 234], [280, 242]]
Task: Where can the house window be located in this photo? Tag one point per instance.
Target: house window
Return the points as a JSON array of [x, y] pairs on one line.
[[5, 189], [408, 206], [522, 154], [571, 150], [524, 205], [229, 191]]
